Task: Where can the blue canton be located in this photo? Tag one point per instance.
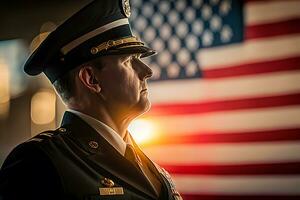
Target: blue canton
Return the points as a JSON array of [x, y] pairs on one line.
[[178, 30]]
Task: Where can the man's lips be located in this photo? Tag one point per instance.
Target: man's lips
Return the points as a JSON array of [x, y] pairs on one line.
[[143, 90]]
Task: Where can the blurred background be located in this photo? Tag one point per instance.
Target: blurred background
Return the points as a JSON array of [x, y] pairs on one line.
[[225, 117]]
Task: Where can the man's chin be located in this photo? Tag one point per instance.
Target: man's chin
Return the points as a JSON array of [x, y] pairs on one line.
[[142, 107]]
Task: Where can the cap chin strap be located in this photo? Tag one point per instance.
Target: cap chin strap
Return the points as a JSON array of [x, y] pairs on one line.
[[72, 45], [113, 43]]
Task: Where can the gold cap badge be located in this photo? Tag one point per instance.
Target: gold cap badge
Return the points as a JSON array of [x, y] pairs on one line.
[[126, 8]]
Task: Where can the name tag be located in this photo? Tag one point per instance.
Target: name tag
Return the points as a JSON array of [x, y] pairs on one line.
[[111, 191]]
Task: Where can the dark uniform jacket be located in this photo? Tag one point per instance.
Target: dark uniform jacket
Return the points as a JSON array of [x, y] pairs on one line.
[[65, 164]]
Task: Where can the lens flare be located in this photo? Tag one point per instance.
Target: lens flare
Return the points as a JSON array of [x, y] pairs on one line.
[[142, 130]]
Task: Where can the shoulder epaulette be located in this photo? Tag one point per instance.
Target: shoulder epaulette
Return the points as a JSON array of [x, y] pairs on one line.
[[47, 134]]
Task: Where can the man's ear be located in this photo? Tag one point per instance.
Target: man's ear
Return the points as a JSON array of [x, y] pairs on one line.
[[87, 75]]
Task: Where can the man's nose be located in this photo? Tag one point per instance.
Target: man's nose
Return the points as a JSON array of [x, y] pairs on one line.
[[143, 70]]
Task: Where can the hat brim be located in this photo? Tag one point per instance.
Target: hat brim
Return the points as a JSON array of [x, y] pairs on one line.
[[143, 50], [33, 65]]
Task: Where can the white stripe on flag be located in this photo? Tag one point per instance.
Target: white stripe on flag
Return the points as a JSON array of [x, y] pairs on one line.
[[188, 91], [264, 49], [237, 185], [238, 153], [271, 11], [230, 121]]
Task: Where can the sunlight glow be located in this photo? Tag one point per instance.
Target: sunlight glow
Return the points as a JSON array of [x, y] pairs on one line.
[[142, 130]]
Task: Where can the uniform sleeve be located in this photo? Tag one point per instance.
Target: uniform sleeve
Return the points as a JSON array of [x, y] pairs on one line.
[[28, 173]]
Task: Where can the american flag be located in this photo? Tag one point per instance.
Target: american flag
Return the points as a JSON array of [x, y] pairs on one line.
[[225, 95]]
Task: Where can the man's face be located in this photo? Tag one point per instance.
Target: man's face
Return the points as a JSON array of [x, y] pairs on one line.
[[123, 85]]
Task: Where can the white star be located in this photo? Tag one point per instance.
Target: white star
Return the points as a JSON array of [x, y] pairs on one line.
[[215, 23], [174, 44], [158, 45], [183, 56], [173, 70], [180, 5], [141, 24], [147, 10], [164, 7], [197, 27], [189, 14], [149, 34], [164, 59], [207, 38], [173, 17], [191, 69], [192, 42], [206, 12], [226, 34], [182, 29], [225, 7], [165, 31], [157, 20]]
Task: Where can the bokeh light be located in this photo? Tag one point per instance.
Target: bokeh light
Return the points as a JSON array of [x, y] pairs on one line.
[[43, 107], [4, 89]]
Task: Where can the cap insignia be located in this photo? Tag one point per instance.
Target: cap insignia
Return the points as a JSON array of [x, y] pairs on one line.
[[126, 8]]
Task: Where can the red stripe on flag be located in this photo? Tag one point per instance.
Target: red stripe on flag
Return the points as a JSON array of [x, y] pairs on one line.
[[286, 64], [291, 26], [238, 197], [238, 169], [255, 136], [236, 104]]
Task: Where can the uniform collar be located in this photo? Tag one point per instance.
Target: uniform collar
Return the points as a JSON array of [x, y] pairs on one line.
[[109, 134]]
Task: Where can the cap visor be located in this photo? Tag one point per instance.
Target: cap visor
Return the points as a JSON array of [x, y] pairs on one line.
[[33, 66], [145, 51]]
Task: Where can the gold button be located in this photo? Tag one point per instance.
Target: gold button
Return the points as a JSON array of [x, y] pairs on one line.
[[62, 130], [107, 182], [94, 50], [93, 144]]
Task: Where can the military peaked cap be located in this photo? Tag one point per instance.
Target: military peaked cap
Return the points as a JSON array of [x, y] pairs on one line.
[[100, 28]]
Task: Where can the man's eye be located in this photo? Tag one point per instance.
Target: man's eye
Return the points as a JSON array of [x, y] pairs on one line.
[[137, 56], [128, 60]]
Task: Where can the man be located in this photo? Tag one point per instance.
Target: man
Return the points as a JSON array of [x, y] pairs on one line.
[[94, 63]]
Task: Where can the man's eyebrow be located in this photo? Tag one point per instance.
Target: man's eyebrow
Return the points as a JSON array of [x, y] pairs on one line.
[[125, 57], [134, 55], [137, 55]]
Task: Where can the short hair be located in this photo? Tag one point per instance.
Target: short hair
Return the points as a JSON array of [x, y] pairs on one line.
[[64, 85]]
